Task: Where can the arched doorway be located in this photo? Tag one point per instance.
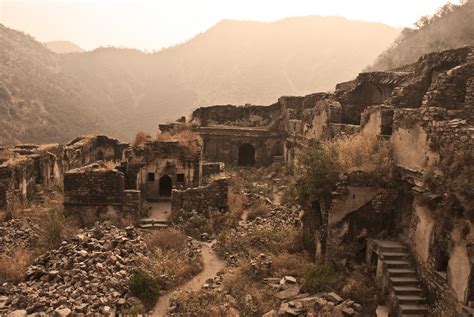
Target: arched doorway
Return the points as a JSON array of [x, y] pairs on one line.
[[166, 186], [246, 155]]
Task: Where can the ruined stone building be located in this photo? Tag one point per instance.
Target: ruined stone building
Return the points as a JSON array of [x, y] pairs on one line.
[[26, 171], [415, 228], [424, 112], [157, 167]]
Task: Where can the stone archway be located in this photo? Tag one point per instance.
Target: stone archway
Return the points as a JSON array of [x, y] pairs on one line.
[[246, 155], [166, 185]]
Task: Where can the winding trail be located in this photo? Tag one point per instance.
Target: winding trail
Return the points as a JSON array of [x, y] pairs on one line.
[[211, 265]]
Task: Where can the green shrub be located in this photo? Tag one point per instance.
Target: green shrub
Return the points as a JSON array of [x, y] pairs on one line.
[[320, 277], [145, 286]]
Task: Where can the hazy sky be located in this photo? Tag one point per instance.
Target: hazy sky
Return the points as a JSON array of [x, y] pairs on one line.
[[153, 24]]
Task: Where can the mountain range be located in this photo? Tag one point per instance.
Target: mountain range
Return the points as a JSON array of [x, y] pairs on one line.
[[51, 97]]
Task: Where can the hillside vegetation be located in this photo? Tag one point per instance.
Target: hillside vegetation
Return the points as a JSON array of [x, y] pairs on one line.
[[122, 91], [451, 27], [38, 102]]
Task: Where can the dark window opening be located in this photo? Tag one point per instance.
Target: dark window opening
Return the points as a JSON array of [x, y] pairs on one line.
[[151, 177], [441, 255], [246, 155], [166, 185], [387, 122], [100, 155], [180, 178]]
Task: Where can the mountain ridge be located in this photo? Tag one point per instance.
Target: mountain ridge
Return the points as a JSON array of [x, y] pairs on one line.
[[121, 91]]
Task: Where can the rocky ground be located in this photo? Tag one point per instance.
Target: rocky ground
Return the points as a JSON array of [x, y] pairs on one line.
[[18, 234], [87, 274]]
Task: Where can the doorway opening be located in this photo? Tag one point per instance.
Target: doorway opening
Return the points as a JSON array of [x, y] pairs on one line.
[[246, 155], [166, 185]]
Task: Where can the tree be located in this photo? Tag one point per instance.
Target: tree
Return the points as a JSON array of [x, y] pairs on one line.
[[317, 172]]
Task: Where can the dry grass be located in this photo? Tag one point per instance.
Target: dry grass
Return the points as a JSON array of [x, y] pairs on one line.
[[171, 262], [236, 201], [174, 267], [169, 239], [140, 138], [253, 298], [259, 209], [290, 264], [191, 140], [362, 153], [13, 267]]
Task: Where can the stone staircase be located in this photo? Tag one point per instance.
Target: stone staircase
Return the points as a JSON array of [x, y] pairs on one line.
[[39, 197], [152, 224], [401, 279]]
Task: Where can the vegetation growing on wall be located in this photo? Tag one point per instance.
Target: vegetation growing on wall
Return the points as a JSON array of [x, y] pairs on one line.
[[316, 173]]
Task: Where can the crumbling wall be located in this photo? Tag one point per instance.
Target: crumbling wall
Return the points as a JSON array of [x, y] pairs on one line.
[[360, 208], [449, 90], [212, 197], [448, 290], [410, 141], [239, 116], [223, 144], [318, 120], [93, 192], [210, 169], [377, 121], [86, 150], [151, 161]]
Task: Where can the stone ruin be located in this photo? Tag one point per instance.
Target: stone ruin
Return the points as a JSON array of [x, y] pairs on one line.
[[416, 233], [424, 112]]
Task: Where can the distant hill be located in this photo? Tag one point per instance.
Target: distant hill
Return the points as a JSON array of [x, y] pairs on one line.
[[451, 27], [122, 91], [38, 102], [234, 62], [63, 47]]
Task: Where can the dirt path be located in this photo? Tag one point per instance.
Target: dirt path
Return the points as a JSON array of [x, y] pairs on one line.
[[212, 264]]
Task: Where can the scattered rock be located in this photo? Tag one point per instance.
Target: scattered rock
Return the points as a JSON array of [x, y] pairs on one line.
[[86, 275]]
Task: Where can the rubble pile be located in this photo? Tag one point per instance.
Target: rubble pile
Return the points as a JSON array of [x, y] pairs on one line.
[[261, 232], [18, 234], [87, 274], [295, 303]]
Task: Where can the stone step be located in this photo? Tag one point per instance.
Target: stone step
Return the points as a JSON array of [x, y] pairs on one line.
[[408, 272], [398, 264], [390, 246], [407, 291], [150, 226], [413, 309], [410, 300], [150, 220], [404, 281], [395, 255]]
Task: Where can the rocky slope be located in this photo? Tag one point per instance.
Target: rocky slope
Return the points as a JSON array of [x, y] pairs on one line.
[[47, 97], [38, 102], [451, 27]]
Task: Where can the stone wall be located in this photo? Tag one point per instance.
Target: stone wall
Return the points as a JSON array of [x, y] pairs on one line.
[[447, 290], [239, 116], [224, 144], [96, 192], [94, 185], [212, 168], [213, 197], [28, 170], [360, 208]]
